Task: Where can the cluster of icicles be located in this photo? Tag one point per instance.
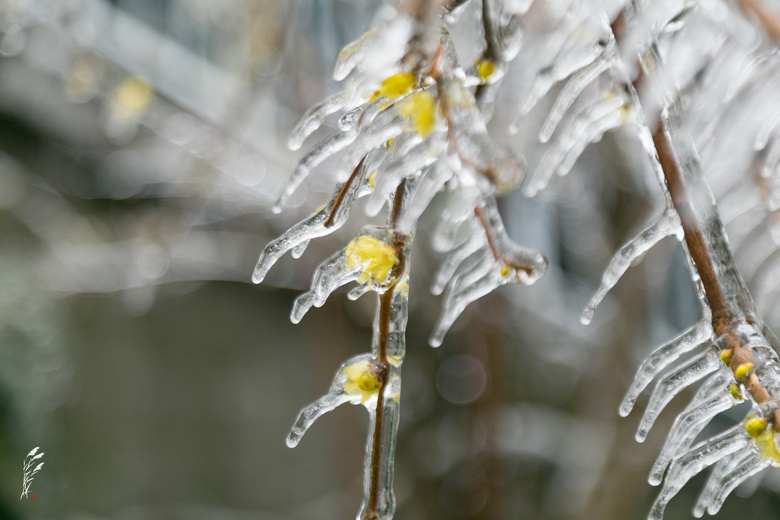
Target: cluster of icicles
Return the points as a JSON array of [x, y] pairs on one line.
[[745, 449], [412, 128]]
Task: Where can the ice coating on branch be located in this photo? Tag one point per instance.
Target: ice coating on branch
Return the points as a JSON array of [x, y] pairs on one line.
[[668, 224], [353, 383], [494, 260], [476, 149], [312, 227], [673, 384], [694, 461], [333, 144], [713, 397]]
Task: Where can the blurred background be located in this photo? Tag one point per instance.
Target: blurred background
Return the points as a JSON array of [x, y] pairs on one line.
[[142, 143]]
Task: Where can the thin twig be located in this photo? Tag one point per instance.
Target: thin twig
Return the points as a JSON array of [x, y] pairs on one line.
[[382, 365], [340, 197], [528, 268]]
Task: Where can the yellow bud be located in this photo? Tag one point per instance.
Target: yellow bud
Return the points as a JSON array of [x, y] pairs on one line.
[[361, 380], [397, 85], [755, 426], [375, 258], [390, 141], [367, 382], [743, 370], [421, 108], [725, 356], [372, 178], [767, 447], [504, 270], [736, 393], [485, 68]]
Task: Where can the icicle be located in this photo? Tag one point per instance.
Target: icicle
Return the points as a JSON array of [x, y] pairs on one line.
[[349, 386], [327, 148], [368, 259], [312, 227], [734, 478], [485, 271], [549, 76], [431, 182], [673, 384], [351, 117], [298, 250], [329, 276], [695, 460], [351, 55], [714, 481], [569, 93], [314, 117], [456, 215], [713, 397], [668, 224], [461, 296], [589, 124], [592, 132], [476, 242], [358, 291], [766, 131]]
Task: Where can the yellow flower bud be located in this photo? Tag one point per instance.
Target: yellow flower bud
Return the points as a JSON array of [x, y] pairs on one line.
[[361, 380], [725, 356], [755, 426], [743, 370], [421, 108], [736, 393], [485, 68], [397, 85], [767, 447], [375, 258]]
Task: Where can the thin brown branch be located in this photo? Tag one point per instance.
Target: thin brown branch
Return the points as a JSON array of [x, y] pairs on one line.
[[343, 191], [694, 238], [528, 268], [382, 365]]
